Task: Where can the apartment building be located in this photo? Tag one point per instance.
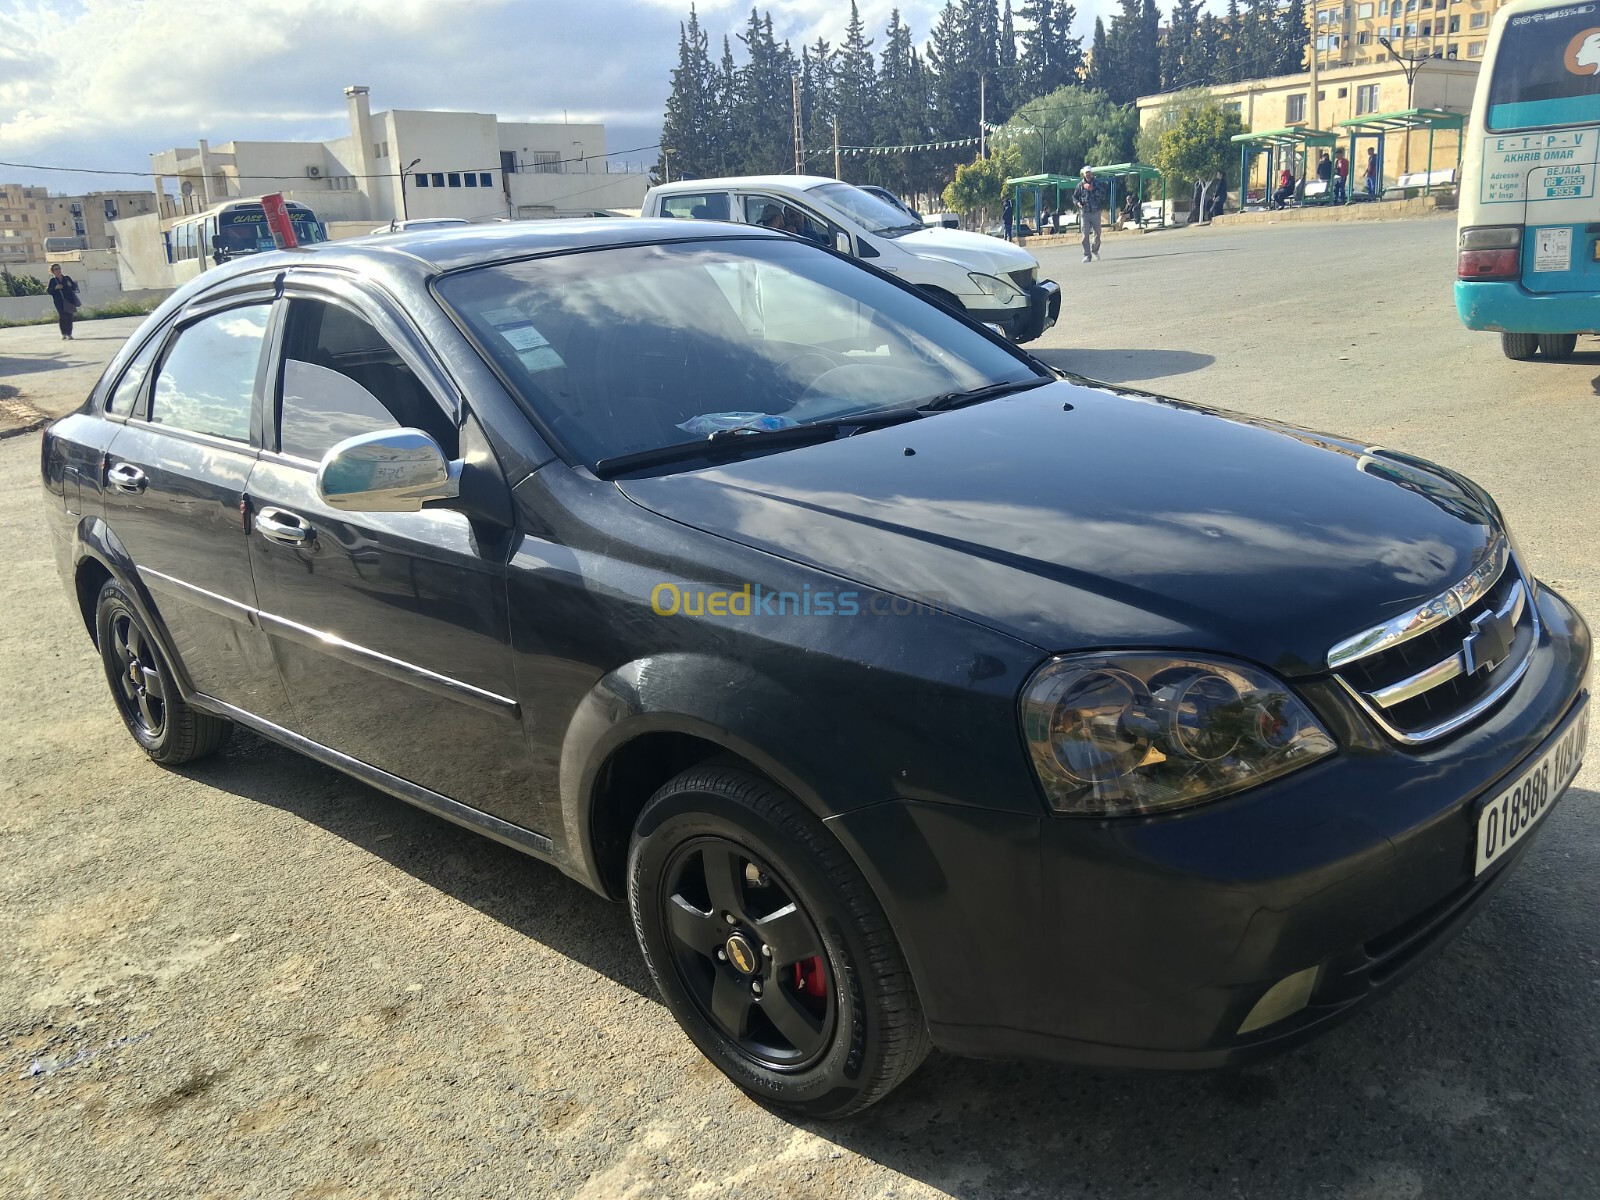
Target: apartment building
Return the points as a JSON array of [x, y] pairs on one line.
[[33, 223], [1347, 33]]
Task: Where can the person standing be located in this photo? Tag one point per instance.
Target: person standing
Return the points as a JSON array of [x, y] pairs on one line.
[[1372, 174], [1324, 167], [1218, 202], [1341, 175], [1008, 212], [1087, 198], [63, 290]]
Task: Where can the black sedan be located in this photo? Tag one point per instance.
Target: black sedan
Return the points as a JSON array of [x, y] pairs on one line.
[[910, 693]]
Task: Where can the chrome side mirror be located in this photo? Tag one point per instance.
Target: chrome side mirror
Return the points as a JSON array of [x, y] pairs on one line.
[[841, 241], [392, 470]]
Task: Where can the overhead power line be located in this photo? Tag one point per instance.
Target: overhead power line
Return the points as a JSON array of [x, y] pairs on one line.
[[279, 178]]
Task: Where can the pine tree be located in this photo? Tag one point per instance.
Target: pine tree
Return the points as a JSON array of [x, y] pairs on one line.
[[855, 90], [1205, 69], [1144, 57], [728, 156], [902, 111], [1180, 54], [819, 100], [689, 126], [1101, 67], [1004, 96], [767, 111], [1051, 56], [1292, 36], [1227, 59]]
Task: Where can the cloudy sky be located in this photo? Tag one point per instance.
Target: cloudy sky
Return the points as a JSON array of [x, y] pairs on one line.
[[103, 83]]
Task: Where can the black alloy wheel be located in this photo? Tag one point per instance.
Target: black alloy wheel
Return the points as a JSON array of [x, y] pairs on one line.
[[748, 953], [768, 945], [142, 685], [140, 693]]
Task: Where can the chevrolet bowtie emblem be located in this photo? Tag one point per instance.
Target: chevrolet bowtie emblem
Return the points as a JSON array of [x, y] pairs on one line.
[[1489, 643]]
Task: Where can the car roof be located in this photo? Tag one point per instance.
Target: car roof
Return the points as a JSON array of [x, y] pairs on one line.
[[799, 183], [448, 247]]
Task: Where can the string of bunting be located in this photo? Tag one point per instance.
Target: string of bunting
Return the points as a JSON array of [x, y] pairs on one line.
[[952, 145]]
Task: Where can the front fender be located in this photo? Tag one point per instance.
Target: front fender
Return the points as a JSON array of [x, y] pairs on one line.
[[720, 701]]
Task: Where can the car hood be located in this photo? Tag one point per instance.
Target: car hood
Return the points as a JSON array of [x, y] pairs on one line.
[[1075, 516], [971, 251]]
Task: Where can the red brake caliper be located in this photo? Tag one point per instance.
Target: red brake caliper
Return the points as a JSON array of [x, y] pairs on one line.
[[808, 976]]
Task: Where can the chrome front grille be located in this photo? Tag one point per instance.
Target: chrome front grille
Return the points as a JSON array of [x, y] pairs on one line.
[[1441, 665]]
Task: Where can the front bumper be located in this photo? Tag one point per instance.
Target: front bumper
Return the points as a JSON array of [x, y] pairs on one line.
[[1508, 307], [1147, 942], [1024, 324]]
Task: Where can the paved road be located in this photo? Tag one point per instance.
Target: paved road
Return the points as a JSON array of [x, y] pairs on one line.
[[53, 376], [256, 977]]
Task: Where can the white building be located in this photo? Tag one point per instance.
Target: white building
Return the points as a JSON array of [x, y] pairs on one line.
[[395, 163]]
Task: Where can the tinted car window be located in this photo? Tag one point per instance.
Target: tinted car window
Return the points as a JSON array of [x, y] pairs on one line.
[[341, 378], [633, 348], [1547, 70], [126, 393], [207, 380]]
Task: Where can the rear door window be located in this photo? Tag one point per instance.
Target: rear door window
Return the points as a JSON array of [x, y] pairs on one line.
[[1547, 69], [207, 381], [698, 206]]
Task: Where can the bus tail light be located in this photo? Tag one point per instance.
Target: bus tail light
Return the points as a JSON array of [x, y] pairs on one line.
[[1490, 252]]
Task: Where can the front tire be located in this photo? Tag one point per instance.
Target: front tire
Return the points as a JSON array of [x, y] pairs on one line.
[[1519, 346], [167, 729], [769, 947], [1557, 345]]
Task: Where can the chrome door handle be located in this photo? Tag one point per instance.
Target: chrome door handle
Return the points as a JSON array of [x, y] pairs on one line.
[[126, 477], [285, 528]]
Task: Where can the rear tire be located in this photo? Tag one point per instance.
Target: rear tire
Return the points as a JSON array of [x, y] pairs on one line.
[[1520, 346], [167, 729], [1557, 345], [769, 947]]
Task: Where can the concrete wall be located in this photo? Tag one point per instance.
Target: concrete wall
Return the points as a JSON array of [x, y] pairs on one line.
[[142, 253], [26, 308]]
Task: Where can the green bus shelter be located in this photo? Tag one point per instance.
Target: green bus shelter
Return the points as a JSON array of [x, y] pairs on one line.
[[1290, 143], [1134, 175], [1377, 125], [1036, 186]]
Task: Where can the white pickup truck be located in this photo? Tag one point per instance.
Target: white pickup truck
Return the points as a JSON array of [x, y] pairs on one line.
[[987, 278]]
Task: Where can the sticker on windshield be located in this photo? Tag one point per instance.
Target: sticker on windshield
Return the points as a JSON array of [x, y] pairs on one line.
[[1552, 250], [524, 337]]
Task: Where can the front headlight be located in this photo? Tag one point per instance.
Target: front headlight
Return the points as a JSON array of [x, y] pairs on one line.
[[1128, 734], [993, 286]]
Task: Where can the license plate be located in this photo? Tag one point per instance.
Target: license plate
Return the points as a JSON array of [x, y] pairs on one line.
[[1506, 819]]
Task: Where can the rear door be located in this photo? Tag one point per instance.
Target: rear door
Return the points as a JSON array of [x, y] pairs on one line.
[[390, 629], [1542, 144], [173, 486]]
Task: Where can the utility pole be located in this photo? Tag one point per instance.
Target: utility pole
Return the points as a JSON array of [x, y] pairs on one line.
[[794, 88], [837, 174], [983, 117], [1311, 108], [1410, 64]]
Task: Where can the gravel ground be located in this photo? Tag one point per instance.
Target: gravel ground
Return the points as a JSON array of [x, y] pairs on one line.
[[255, 977]]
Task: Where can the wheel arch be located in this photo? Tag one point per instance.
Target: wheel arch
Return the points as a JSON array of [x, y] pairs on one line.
[[647, 722], [99, 556]]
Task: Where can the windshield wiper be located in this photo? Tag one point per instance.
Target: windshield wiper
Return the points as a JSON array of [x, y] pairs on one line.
[[730, 443], [949, 400]]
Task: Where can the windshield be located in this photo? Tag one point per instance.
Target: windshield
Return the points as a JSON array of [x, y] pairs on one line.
[[871, 213], [1547, 69], [630, 349], [247, 233]]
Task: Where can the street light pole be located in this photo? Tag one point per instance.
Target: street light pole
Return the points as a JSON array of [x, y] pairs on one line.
[[1410, 65], [666, 163], [404, 171]]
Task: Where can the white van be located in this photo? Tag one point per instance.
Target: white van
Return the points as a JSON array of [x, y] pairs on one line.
[[988, 279], [1528, 222]]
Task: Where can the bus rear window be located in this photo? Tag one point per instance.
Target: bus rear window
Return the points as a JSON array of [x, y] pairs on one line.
[[1547, 69]]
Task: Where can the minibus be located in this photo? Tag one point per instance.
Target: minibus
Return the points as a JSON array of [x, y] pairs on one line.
[[1528, 244]]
